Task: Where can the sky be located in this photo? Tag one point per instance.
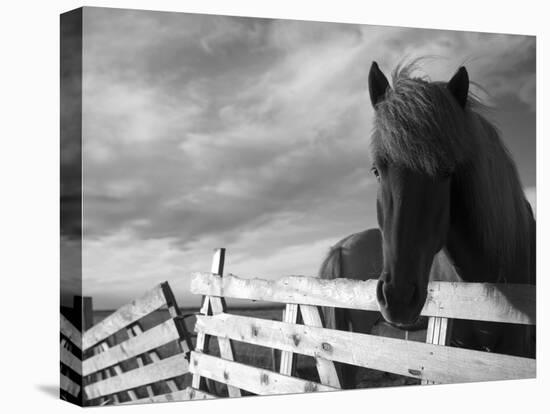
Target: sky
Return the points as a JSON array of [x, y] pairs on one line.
[[251, 134]]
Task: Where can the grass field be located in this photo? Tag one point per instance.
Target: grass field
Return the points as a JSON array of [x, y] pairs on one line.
[[268, 358]]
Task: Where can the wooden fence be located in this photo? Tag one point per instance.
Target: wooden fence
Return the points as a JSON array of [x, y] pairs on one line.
[[133, 357], [130, 357], [70, 358], [431, 362]]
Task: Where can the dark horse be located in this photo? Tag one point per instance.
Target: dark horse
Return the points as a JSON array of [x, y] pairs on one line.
[[450, 206]]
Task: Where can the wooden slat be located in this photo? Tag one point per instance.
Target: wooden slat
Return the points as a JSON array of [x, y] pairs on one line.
[[255, 380], [200, 344], [436, 334], [185, 343], [476, 301], [70, 360], [70, 332], [413, 359], [287, 357], [68, 385], [325, 367], [113, 397], [98, 376], [150, 339], [167, 368], [124, 316], [182, 395], [155, 357], [141, 362], [104, 347], [217, 305]]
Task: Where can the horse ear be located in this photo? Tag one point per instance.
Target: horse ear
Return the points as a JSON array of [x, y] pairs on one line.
[[459, 85], [378, 84]]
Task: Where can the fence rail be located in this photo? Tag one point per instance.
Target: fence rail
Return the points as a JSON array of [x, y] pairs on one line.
[[475, 301], [122, 360], [431, 362], [71, 365], [412, 359], [125, 316]]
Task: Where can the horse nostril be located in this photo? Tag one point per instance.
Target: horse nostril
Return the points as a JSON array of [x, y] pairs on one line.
[[389, 294], [380, 296]]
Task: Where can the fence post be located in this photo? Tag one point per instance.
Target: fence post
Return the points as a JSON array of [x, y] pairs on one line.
[[287, 363], [212, 305], [437, 334]]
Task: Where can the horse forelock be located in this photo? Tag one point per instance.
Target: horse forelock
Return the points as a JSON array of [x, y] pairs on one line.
[[420, 126]]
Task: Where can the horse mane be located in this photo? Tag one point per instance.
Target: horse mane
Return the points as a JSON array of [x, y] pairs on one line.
[[420, 125]]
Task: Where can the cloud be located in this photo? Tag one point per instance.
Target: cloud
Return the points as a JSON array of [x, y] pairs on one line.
[[205, 131]]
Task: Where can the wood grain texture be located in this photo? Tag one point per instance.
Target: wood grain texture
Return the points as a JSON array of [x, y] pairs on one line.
[[124, 316], [68, 385], [155, 357], [216, 305], [436, 334], [146, 341], [200, 344], [325, 367], [224, 344], [413, 359], [70, 360], [182, 395], [252, 379], [287, 357], [475, 301], [165, 369], [131, 394]]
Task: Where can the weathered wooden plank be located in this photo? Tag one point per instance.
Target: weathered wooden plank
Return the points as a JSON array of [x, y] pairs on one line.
[[150, 339], [287, 357], [118, 371], [167, 368], [217, 305], [224, 344], [140, 361], [68, 385], [70, 360], [512, 303], [155, 357], [181, 395], [325, 367], [124, 316], [201, 341], [175, 312], [414, 359], [113, 397], [436, 334], [99, 375], [255, 380], [70, 332]]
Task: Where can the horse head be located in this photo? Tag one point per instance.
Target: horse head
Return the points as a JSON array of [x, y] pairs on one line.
[[416, 146]]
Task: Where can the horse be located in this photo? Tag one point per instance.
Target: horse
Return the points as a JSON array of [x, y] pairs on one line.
[[450, 206]]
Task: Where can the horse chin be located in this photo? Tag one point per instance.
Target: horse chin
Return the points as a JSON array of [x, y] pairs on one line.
[[410, 326]]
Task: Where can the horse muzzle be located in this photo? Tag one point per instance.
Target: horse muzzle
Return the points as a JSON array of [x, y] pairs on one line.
[[401, 304]]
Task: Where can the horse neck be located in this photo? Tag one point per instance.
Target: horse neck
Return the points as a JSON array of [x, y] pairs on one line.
[[472, 264], [492, 231], [509, 257]]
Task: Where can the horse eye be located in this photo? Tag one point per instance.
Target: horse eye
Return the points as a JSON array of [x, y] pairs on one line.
[[375, 172]]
